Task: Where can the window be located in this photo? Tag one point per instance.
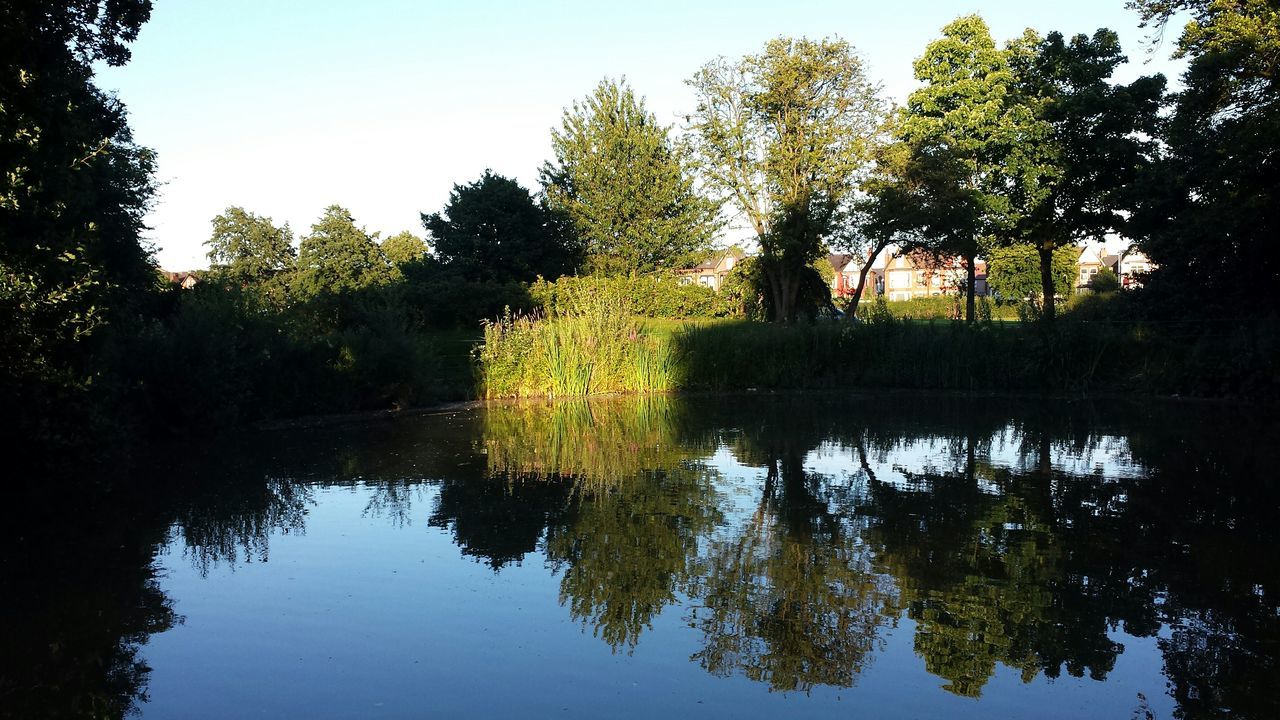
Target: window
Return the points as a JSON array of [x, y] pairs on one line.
[[899, 280]]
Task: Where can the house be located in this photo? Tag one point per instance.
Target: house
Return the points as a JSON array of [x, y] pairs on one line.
[[185, 280], [1133, 265], [1092, 260], [913, 275], [844, 280], [711, 272], [847, 268], [1129, 266]]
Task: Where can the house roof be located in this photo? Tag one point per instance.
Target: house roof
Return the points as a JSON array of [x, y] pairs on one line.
[[839, 261], [715, 260]]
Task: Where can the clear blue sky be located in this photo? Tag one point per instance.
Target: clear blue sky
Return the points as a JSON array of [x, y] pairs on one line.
[[285, 107]]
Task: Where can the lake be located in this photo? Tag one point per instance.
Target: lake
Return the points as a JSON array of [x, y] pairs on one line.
[[879, 555]]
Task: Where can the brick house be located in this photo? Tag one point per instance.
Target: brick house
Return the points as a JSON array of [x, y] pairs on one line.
[[913, 275], [712, 271]]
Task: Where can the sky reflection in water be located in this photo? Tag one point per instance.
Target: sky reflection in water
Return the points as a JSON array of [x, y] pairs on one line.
[[893, 556]]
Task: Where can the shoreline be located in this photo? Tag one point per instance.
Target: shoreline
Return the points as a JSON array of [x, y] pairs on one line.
[[337, 419]]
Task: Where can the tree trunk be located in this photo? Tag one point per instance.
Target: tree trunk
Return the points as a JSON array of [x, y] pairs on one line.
[[852, 313], [970, 289], [791, 287], [1046, 282], [784, 285], [776, 291]]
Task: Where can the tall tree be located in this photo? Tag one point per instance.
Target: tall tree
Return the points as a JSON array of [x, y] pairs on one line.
[[493, 229], [1013, 272], [249, 249], [946, 189], [785, 134], [1071, 168], [626, 187], [404, 247], [1210, 210], [73, 187], [338, 256]]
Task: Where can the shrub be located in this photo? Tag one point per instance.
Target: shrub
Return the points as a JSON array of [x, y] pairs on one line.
[[1105, 280], [654, 296], [942, 307]]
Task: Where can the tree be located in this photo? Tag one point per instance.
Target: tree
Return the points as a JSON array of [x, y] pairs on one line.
[[1013, 273], [785, 134], [1105, 280], [403, 248], [74, 188], [626, 187], [248, 249], [339, 257], [492, 229], [1209, 211], [1070, 171], [944, 183]]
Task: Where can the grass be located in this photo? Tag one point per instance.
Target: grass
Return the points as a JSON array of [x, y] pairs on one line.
[[601, 350], [606, 351]]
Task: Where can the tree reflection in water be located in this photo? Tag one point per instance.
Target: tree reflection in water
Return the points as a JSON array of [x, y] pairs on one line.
[[1023, 535]]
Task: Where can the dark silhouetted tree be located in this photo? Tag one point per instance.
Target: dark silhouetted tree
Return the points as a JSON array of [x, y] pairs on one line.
[[494, 229], [1209, 212], [73, 188]]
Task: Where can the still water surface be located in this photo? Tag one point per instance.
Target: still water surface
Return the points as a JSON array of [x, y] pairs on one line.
[[869, 556]]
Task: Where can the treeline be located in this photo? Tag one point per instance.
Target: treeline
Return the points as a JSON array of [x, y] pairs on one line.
[[1004, 149]]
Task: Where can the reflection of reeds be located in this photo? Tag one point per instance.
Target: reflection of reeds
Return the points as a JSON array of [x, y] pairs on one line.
[[600, 442]]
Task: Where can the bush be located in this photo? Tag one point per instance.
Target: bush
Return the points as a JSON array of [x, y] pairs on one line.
[[1104, 281], [222, 357], [653, 296], [942, 307]]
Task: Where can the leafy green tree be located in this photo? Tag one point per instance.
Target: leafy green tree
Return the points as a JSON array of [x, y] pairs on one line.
[[337, 256], [493, 229], [1209, 213], [627, 189], [945, 184], [785, 134], [1071, 170], [248, 249], [74, 188], [1105, 280], [1013, 273], [404, 248]]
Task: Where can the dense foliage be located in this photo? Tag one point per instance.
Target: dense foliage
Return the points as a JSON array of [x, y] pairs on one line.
[[1209, 213], [653, 296], [626, 187], [785, 134], [1013, 274], [493, 229]]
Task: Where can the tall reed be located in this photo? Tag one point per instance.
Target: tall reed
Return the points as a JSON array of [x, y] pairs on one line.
[[598, 348]]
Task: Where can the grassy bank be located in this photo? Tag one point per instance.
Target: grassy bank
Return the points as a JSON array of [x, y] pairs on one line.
[[600, 350], [599, 354]]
